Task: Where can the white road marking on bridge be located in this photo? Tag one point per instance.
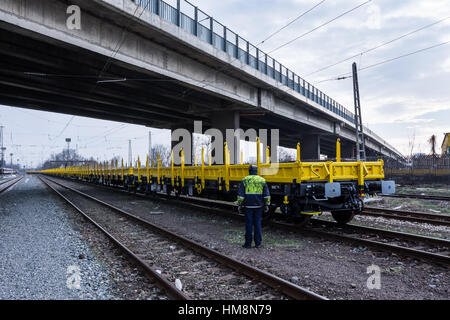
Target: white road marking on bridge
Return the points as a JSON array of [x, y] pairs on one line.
[[26, 181]]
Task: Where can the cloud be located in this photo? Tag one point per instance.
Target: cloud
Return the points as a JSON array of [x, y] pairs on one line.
[[446, 65], [418, 9], [403, 109], [374, 19], [398, 98]]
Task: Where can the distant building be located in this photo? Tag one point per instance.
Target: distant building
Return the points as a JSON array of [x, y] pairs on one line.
[[446, 144]]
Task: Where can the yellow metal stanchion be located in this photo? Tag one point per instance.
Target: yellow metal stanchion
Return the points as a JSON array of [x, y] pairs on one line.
[[172, 169], [338, 150], [258, 156], [157, 170], [147, 169], [227, 167], [299, 164], [182, 168], [122, 175], [203, 171], [139, 169]]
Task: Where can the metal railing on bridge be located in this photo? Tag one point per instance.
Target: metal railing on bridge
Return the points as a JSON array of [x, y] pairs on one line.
[[193, 20]]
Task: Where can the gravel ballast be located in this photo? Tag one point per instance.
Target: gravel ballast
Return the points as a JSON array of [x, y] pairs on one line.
[[40, 250], [337, 270]]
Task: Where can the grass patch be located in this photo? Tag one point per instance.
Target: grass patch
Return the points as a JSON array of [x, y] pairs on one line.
[[398, 269], [237, 236], [437, 190], [200, 219], [418, 232], [416, 205]]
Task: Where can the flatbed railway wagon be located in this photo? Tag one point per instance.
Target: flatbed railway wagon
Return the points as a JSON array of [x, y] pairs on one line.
[[299, 190]]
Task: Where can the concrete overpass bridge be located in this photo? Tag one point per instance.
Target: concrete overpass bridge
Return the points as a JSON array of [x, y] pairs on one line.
[[150, 63]]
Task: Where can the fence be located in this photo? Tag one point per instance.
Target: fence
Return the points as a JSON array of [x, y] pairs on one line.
[[419, 169]]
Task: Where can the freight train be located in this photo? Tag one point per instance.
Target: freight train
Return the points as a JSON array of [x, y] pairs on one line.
[[299, 190]]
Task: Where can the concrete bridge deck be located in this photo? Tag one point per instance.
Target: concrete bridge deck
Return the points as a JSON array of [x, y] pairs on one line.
[[177, 71]]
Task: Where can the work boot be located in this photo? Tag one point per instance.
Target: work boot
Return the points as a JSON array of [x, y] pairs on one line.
[[246, 246], [259, 246]]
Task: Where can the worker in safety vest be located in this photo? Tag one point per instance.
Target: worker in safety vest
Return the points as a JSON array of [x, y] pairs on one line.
[[253, 198]]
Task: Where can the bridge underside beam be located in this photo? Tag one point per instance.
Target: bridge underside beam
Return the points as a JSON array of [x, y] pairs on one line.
[[162, 87]]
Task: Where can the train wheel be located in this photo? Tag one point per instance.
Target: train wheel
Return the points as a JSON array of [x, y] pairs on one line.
[[343, 217]]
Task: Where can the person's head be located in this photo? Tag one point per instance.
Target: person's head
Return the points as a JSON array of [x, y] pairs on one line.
[[253, 170]]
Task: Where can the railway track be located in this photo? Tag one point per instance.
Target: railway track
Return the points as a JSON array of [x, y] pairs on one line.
[[7, 180], [419, 196], [204, 273], [431, 248], [407, 244], [422, 217], [5, 185]]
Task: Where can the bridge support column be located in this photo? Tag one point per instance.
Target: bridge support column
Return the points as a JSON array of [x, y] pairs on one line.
[[182, 138], [269, 142], [347, 150], [229, 120], [310, 147]]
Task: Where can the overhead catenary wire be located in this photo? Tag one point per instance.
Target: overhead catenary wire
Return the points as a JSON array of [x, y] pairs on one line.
[[122, 39], [96, 78], [319, 27], [108, 61], [344, 75], [291, 22], [54, 121], [119, 44], [378, 46], [64, 129]]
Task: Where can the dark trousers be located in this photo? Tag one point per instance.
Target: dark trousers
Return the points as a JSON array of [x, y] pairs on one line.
[[253, 219]]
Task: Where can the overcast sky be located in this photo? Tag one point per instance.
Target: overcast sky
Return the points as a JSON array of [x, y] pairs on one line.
[[400, 99]]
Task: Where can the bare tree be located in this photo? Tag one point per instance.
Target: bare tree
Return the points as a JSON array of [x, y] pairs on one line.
[[164, 155], [63, 159], [286, 155], [411, 144], [432, 142], [201, 142]]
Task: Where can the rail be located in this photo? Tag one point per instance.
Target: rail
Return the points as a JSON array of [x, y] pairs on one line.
[[288, 288]]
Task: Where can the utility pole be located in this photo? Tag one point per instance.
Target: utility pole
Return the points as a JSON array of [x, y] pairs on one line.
[[360, 140], [68, 140], [130, 154], [2, 149], [11, 155], [150, 145]]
